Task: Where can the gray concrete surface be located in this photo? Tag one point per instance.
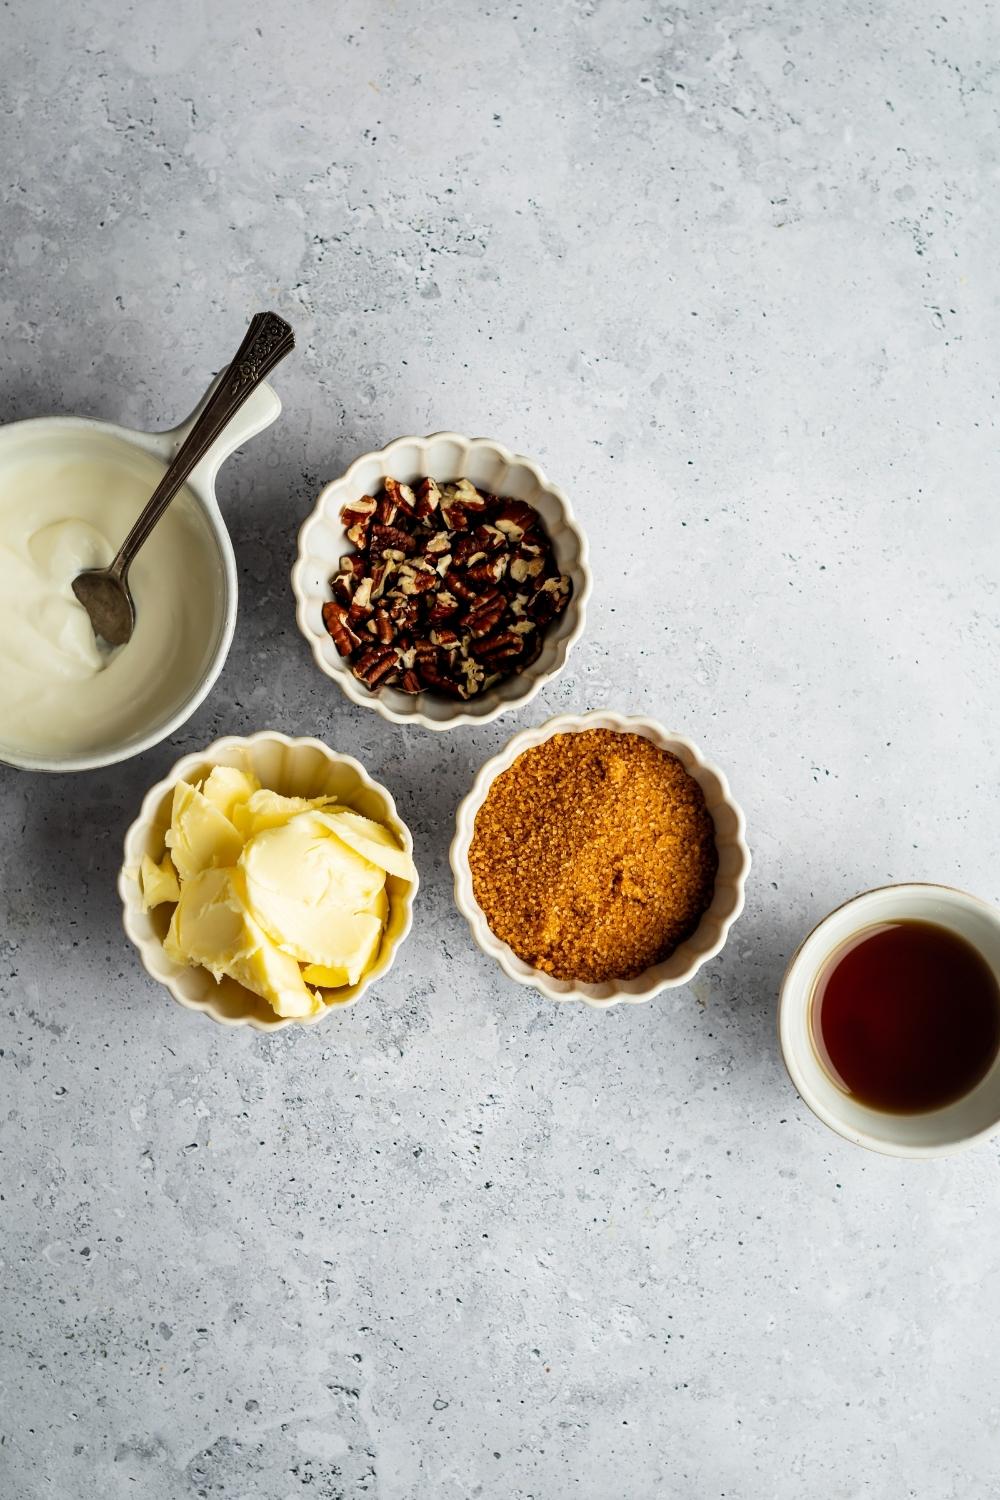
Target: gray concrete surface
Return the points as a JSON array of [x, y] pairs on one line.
[[730, 274]]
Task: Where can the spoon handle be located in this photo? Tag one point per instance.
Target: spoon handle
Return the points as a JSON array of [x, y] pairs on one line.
[[268, 340]]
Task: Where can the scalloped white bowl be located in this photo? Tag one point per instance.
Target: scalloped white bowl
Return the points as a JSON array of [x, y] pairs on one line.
[[445, 456], [295, 767], [710, 935]]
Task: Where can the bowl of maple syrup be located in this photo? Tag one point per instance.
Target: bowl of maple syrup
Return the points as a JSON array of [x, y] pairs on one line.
[[889, 1020]]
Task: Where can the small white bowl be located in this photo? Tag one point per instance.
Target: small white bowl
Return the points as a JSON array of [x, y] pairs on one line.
[[445, 456], [935, 1132], [709, 936], [146, 455], [296, 768]]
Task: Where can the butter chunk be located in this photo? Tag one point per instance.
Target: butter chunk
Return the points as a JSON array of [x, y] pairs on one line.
[[267, 809], [359, 953], [275, 976], [212, 927], [209, 923], [369, 839], [355, 940], [327, 977], [157, 882], [228, 788], [305, 888], [200, 837]]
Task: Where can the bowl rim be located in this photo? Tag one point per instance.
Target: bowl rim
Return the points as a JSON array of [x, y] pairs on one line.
[[128, 890], [878, 1145], [695, 763], [458, 716]]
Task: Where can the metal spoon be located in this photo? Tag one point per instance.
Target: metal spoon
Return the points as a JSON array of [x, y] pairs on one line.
[[104, 592]]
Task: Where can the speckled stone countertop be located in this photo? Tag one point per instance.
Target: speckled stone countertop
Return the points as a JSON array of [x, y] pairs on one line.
[[730, 274]]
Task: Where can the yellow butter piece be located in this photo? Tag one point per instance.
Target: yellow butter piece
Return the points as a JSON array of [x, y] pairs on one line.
[[305, 886], [200, 836], [209, 924], [212, 927], [369, 839], [326, 977], [355, 940], [267, 809], [157, 882], [379, 905], [362, 956], [275, 976], [228, 787]]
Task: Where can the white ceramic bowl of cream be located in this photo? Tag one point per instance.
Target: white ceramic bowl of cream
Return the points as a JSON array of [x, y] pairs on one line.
[[70, 488]]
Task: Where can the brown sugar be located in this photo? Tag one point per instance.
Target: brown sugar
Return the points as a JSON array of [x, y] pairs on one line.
[[594, 855]]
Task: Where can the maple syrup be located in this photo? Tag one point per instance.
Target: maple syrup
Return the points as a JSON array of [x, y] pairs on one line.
[[905, 1017]]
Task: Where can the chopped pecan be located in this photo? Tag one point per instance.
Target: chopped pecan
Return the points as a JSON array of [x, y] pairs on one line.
[[344, 583], [428, 499], [361, 603], [457, 585], [357, 517], [390, 539], [463, 492], [429, 668], [464, 550], [442, 607], [473, 676], [514, 518], [382, 626], [485, 615], [374, 664], [386, 510], [532, 650], [437, 544], [454, 515], [489, 571], [409, 682], [551, 599], [403, 612], [340, 632], [401, 496], [382, 575], [527, 562], [499, 647], [446, 639], [417, 578], [490, 538]]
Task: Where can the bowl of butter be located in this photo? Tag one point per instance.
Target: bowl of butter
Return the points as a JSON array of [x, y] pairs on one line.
[[268, 881]]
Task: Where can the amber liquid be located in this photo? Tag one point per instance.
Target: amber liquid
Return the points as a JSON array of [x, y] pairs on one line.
[[906, 1017]]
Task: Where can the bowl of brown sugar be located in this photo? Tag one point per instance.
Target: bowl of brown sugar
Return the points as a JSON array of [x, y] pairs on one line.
[[600, 858]]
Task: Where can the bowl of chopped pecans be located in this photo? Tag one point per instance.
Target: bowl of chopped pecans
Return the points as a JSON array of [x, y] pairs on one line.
[[599, 858], [441, 580]]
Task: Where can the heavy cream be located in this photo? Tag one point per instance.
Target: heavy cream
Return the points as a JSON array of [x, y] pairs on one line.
[[66, 505]]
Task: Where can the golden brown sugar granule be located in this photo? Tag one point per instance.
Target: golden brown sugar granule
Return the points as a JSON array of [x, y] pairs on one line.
[[594, 855]]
